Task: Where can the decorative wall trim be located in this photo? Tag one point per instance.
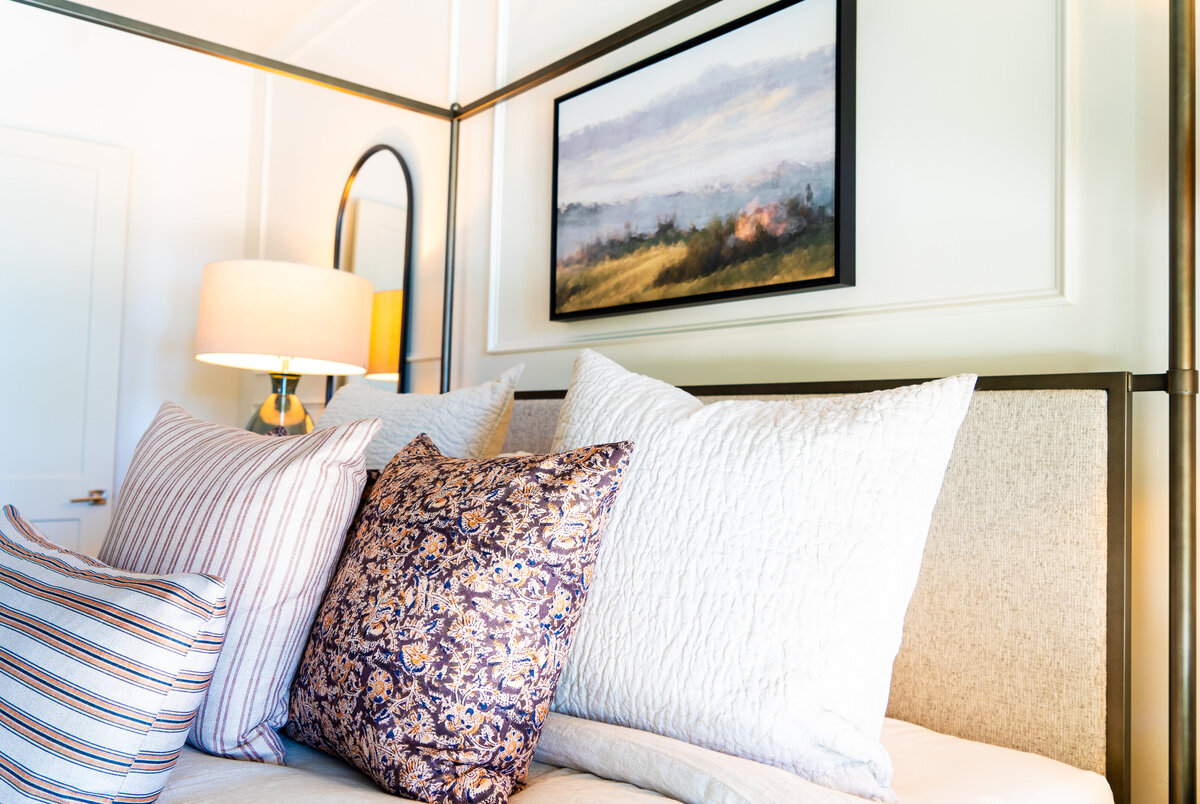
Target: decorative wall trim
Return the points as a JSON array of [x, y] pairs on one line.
[[317, 26], [644, 27], [1052, 297], [265, 89], [1063, 43], [495, 225], [452, 69], [1059, 292]]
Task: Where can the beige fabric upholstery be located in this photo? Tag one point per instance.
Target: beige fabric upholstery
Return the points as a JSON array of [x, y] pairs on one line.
[[531, 425], [1005, 639]]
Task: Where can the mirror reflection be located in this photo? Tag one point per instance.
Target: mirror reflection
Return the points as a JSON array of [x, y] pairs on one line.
[[374, 240]]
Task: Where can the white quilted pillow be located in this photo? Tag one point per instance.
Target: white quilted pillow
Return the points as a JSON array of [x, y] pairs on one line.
[[466, 423], [751, 589]]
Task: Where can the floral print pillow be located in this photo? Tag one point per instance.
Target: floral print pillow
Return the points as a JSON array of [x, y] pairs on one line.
[[434, 657]]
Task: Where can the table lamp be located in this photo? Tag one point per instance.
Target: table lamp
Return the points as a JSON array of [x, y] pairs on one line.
[[387, 320], [286, 319]]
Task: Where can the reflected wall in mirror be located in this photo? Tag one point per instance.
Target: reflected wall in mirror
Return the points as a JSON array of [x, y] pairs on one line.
[[373, 239]]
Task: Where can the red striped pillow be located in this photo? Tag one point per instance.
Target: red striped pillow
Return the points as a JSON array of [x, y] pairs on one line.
[[266, 514]]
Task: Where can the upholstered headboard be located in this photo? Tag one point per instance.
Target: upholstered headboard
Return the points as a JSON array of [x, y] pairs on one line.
[[1017, 634]]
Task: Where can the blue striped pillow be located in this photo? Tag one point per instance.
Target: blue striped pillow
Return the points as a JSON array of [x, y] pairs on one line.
[[101, 671]]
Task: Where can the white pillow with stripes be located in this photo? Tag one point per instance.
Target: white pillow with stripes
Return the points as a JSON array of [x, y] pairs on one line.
[[101, 670], [269, 515]]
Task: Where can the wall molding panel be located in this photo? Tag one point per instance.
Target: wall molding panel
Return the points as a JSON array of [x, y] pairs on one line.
[[1006, 220]]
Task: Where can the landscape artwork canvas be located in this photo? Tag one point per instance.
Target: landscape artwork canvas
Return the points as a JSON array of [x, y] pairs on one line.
[[720, 169]]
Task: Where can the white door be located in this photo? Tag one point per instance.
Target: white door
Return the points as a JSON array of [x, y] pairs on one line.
[[62, 260]]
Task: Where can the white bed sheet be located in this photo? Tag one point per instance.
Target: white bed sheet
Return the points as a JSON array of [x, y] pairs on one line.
[[931, 768], [312, 777]]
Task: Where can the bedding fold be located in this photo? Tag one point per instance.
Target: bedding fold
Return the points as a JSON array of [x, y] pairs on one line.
[[676, 769], [577, 761]]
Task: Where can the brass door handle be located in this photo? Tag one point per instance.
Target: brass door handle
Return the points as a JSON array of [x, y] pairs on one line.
[[95, 497]]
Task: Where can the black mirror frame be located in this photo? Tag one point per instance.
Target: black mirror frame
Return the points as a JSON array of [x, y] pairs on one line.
[[406, 276]]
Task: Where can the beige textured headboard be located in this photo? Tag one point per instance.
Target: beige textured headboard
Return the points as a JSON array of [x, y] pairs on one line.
[[1017, 633]]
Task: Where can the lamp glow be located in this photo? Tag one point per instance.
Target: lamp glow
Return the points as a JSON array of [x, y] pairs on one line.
[[387, 320], [286, 319]]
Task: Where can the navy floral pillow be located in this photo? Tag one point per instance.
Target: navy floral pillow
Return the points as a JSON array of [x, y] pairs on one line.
[[433, 660]]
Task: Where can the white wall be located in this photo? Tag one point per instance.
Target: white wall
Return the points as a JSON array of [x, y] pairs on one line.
[[185, 119], [314, 137], [228, 162], [399, 46], [1011, 219], [311, 138]]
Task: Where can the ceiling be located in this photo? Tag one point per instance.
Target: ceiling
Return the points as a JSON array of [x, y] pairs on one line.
[[257, 26], [408, 40]]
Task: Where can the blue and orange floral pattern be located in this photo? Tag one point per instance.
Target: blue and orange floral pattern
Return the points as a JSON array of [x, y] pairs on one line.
[[434, 657]]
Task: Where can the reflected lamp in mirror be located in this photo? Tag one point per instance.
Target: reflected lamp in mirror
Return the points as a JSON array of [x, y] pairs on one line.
[[286, 319], [387, 321], [373, 238]]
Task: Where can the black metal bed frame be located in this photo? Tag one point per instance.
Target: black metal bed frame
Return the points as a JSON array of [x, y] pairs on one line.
[[1181, 381]]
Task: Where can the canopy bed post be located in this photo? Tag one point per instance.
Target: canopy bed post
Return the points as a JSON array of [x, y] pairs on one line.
[[451, 222], [1181, 387]]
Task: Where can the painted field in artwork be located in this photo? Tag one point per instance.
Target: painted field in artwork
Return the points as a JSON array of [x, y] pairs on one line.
[[710, 171]]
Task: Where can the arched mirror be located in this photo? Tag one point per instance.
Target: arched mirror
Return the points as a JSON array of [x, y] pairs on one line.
[[373, 239]]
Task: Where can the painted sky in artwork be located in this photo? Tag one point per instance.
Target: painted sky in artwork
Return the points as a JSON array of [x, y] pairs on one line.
[[719, 113]]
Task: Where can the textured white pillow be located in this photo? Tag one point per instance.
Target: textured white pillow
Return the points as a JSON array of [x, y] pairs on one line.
[[751, 590], [467, 423]]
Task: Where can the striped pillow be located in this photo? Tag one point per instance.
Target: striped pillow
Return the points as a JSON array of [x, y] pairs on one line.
[[268, 515], [101, 671]]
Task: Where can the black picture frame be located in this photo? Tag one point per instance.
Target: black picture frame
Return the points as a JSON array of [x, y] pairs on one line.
[[835, 220]]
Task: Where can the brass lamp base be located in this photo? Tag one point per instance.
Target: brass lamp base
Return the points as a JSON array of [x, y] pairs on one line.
[[281, 413]]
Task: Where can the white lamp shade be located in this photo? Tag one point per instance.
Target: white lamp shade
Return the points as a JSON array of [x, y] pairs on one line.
[[286, 317]]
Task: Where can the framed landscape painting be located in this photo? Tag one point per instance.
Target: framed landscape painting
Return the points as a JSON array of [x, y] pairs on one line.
[[719, 169]]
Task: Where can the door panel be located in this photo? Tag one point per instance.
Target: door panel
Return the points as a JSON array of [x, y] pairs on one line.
[[62, 250]]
